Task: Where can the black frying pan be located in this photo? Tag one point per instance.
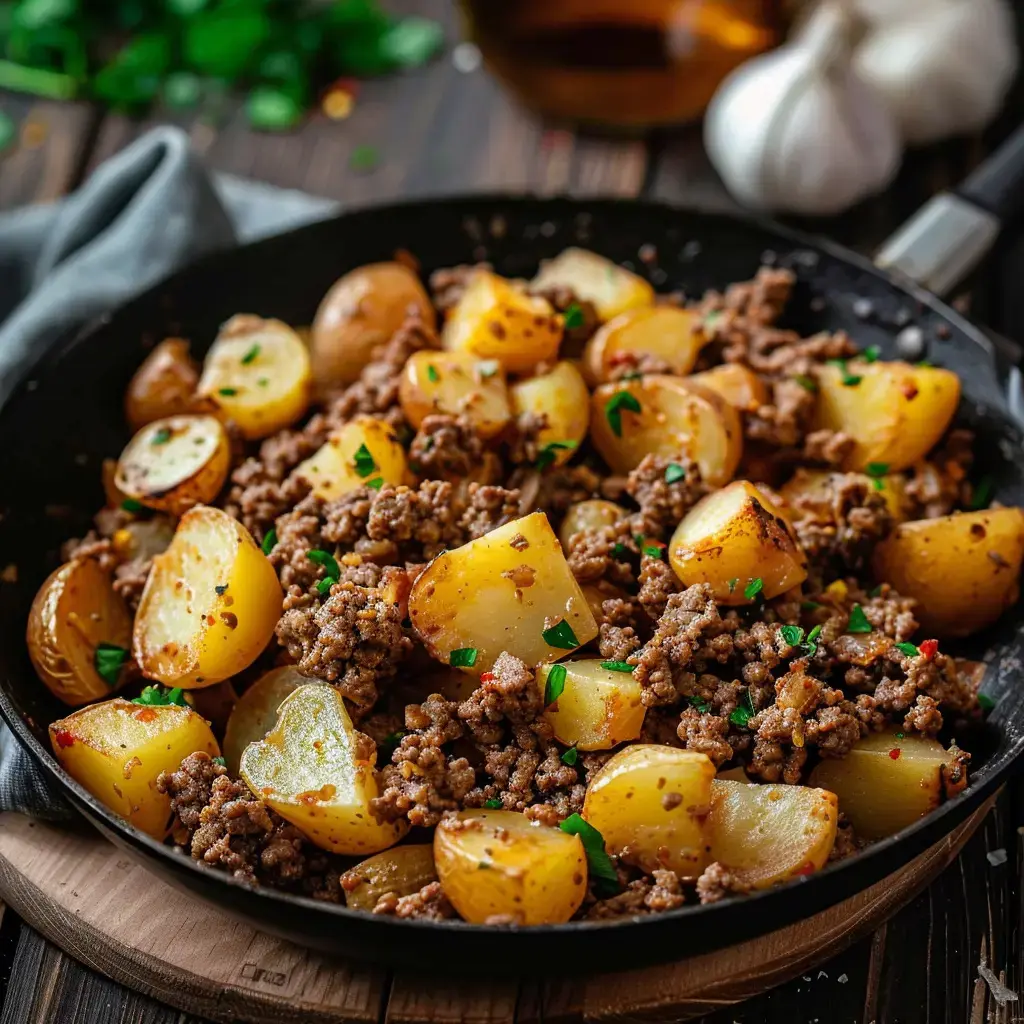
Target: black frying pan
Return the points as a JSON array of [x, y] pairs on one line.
[[65, 417]]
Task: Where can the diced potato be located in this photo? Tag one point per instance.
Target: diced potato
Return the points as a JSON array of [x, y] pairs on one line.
[[769, 834], [402, 870], [561, 398], [495, 320], [895, 412], [311, 769], [885, 782], [164, 385], [964, 570], [361, 311], [675, 417], [210, 604], [589, 515], [496, 594], [338, 467], [257, 371], [173, 464], [598, 709], [499, 862], [74, 612], [117, 749], [144, 538], [640, 337], [733, 537], [611, 288], [737, 384], [650, 803], [811, 491], [458, 384]]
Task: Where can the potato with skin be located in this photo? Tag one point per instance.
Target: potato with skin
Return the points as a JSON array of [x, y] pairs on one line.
[[812, 491], [74, 612], [641, 337], [651, 803], [401, 870], [589, 515], [257, 373], [313, 769], [341, 465], [456, 384], [496, 320], [559, 399], [666, 416], [764, 835], [598, 708], [362, 310], [210, 604], [963, 569], [733, 537], [611, 288], [117, 749], [895, 412], [497, 593], [737, 384], [172, 464], [164, 385], [499, 862]]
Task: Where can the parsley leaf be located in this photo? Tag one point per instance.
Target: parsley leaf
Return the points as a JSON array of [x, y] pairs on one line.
[[324, 585], [700, 704], [250, 356], [602, 870], [227, 392], [732, 583], [875, 591], [561, 636], [674, 473], [570, 756], [877, 469], [806, 382], [858, 621], [493, 805], [573, 316], [744, 711], [614, 406], [363, 461], [432, 374], [462, 657], [108, 660], [810, 645], [871, 353], [618, 550], [617, 666], [376, 483], [162, 436], [158, 696], [753, 588], [131, 505], [653, 550], [546, 457], [327, 560], [220, 760], [986, 702], [554, 685], [851, 380], [908, 649], [269, 541], [793, 635], [809, 606], [981, 493]]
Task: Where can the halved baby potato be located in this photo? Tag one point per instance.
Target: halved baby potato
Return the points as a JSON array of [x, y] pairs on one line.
[[401, 870], [666, 416], [499, 863], [737, 384], [210, 604], [640, 336], [310, 770], [733, 537], [611, 288], [589, 515], [117, 749], [164, 385], [509, 590], [365, 450], [257, 371], [559, 396], [74, 612], [457, 384], [175, 463]]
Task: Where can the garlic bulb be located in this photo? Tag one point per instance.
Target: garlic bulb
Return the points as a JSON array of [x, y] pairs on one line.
[[945, 68], [797, 130]]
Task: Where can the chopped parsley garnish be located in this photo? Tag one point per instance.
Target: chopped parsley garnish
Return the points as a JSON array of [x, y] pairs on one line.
[[614, 406], [108, 660], [871, 353], [858, 621], [732, 583], [700, 704], [619, 550], [131, 505], [546, 457], [793, 635], [462, 657], [653, 550], [901, 735], [376, 483], [269, 541], [810, 645], [875, 591], [617, 666], [573, 316], [674, 473], [363, 461], [162, 436], [877, 469], [554, 685], [753, 588], [432, 374], [493, 805], [851, 380], [251, 355], [985, 702], [570, 756], [908, 649], [158, 696], [220, 760], [328, 561], [561, 636], [488, 368], [809, 606], [744, 711], [806, 382], [227, 392], [602, 870], [325, 584], [981, 495]]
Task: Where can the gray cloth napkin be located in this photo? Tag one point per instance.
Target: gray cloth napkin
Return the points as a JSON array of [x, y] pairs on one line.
[[141, 215]]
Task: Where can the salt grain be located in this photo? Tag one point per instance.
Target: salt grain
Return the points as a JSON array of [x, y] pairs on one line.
[[466, 58], [996, 857], [910, 342]]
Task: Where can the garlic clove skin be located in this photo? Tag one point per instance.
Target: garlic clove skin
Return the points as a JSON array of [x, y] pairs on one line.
[[944, 69]]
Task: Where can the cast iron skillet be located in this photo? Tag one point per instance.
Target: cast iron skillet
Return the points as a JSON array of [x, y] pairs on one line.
[[66, 416]]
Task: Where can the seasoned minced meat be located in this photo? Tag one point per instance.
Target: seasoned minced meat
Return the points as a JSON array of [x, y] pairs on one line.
[[647, 895], [447, 447], [429, 903], [663, 504]]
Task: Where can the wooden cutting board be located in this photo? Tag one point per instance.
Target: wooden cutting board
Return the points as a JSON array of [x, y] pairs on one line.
[[109, 912]]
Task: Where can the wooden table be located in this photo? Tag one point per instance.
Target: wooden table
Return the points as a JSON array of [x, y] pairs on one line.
[[438, 131]]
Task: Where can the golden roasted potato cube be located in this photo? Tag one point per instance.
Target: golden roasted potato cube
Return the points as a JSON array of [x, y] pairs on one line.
[[364, 451], [666, 416], [175, 463], [495, 320], [164, 385], [894, 411], [257, 372], [811, 491], [642, 337], [401, 870], [598, 709], [561, 398], [500, 862], [589, 515], [210, 604], [312, 769], [963, 569], [737, 384], [458, 384], [611, 288], [361, 311], [117, 749], [733, 537], [650, 803], [75, 612], [769, 834], [499, 593], [886, 782]]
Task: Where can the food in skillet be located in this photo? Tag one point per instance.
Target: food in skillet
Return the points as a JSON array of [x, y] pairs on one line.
[[529, 601]]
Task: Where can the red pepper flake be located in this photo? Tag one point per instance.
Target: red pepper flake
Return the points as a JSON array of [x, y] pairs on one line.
[[807, 868], [929, 648], [145, 715], [487, 677], [895, 753], [64, 738]]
